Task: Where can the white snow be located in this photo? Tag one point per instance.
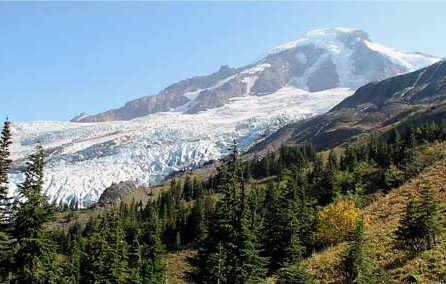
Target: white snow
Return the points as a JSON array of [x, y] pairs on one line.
[[332, 42], [85, 158], [411, 61], [320, 37], [256, 69], [302, 58]]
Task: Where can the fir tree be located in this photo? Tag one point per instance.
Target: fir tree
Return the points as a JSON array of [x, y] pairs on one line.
[[429, 215], [188, 188], [5, 165], [353, 263], [94, 265], [281, 228], [33, 252], [230, 253], [409, 234], [5, 256], [152, 251], [295, 274]]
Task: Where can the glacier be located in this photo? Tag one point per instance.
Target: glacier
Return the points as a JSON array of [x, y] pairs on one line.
[[83, 159], [286, 85]]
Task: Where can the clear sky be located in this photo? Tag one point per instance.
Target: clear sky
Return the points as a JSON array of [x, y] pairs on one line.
[[59, 59]]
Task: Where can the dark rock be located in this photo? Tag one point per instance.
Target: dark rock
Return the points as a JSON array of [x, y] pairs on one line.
[[372, 106], [311, 66], [113, 195]]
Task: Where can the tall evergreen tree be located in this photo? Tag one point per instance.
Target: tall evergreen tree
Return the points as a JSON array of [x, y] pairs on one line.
[[353, 262], [33, 252], [295, 274], [5, 238], [281, 228], [409, 234], [230, 253], [153, 265], [429, 215], [5, 165]]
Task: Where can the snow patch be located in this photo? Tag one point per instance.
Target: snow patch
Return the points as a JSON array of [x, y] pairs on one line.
[[411, 61], [301, 58]]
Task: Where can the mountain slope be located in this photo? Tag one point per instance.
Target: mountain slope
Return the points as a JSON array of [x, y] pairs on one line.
[[85, 158], [324, 59], [384, 215], [192, 122], [374, 105]]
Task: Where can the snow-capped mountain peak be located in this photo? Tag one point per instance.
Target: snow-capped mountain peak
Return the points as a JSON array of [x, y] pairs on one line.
[[328, 38], [191, 122], [322, 60]]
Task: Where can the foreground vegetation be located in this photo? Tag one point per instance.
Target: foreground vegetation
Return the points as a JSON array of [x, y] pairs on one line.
[[368, 212]]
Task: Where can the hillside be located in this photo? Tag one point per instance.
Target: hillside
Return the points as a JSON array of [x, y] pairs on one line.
[[384, 215], [374, 105], [192, 123]]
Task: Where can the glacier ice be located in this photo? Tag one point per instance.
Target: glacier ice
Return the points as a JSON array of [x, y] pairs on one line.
[[83, 159]]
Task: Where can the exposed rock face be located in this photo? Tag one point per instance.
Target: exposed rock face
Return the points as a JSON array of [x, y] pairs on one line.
[[171, 97], [374, 105], [112, 196], [325, 59]]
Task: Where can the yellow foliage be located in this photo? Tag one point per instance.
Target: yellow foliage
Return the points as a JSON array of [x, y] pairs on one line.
[[336, 220]]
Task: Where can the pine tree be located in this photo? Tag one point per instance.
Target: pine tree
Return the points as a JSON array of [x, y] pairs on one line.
[[409, 234], [252, 266], [5, 165], [94, 264], [33, 252], [152, 251], [281, 228], [350, 158], [5, 256], [353, 262], [295, 274], [188, 188], [230, 253], [419, 226], [119, 270], [197, 220], [429, 215], [5, 238]]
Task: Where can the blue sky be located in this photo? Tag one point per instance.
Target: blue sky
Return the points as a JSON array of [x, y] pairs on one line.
[[60, 59]]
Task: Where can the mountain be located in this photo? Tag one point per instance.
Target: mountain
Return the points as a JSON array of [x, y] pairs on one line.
[[324, 59], [82, 159], [192, 123], [419, 95]]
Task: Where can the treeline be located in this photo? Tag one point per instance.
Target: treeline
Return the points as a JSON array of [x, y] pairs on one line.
[[251, 220]]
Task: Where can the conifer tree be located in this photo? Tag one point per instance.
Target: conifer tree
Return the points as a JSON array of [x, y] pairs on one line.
[[409, 234], [152, 251], [230, 253], [295, 274], [281, 228], [429, 215], [33, 251], [5, 256], [5, 238], [419, 226], [188, 188], [119, 270], [5, 165], [353, 262], [97, 253]]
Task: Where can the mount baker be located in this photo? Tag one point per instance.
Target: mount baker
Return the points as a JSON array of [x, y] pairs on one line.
[[192, 122]]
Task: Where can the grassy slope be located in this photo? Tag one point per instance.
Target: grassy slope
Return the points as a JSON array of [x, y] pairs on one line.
[[384, 214]]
